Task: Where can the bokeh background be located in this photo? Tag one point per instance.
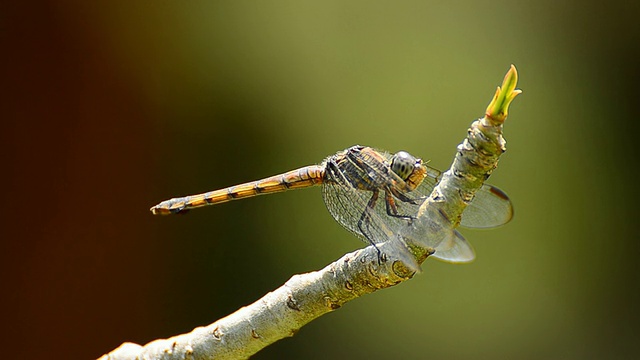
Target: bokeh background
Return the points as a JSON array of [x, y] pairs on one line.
[[109, 107]]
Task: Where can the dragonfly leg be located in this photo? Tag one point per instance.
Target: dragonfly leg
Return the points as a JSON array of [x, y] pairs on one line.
[[404, 198], [392, 209], [365, 218]]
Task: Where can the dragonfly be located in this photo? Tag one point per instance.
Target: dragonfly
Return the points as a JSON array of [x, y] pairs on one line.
[[374, 195]]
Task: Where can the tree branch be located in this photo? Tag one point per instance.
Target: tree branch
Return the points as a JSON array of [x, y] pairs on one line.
[[282, 312]]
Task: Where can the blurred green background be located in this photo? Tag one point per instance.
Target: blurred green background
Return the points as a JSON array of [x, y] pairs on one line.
[[112, 106]]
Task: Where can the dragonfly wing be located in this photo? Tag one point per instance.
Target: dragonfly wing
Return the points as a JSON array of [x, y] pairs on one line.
[[347, 204], [349, 192], [431, 228], [353, 180], [489, 208], [455, 249], [350, 207]]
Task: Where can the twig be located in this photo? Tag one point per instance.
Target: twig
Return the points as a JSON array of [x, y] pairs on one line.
[[304, 297]]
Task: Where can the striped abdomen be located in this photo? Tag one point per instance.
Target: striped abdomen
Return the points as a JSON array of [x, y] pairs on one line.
[[300, 178]]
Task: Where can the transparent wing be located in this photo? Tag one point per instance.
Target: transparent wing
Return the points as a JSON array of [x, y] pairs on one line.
[[347, 204], [432, 229], [357, 196], [356, 191], [490, 208], [455, 249], [363, 210]]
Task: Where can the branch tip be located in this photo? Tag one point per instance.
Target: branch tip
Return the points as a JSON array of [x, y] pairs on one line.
[[498, 109]]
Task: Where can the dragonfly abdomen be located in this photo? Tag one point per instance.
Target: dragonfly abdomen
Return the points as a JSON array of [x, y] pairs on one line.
[[295, 179]]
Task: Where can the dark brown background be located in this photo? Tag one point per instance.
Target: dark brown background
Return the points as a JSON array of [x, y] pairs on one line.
[[111, 106]]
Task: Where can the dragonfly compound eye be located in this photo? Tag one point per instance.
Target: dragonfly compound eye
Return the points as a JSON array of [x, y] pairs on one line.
[[402, 164]]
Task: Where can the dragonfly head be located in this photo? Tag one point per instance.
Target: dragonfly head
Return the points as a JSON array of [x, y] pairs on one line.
[[408, 168]]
